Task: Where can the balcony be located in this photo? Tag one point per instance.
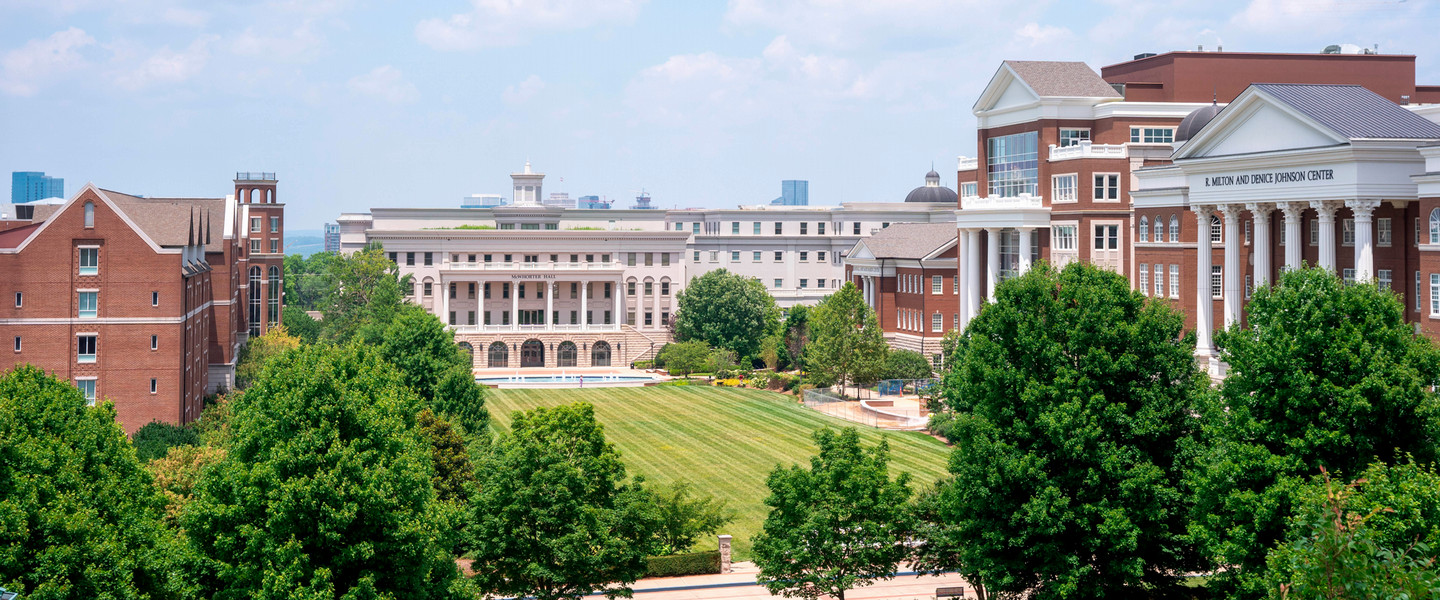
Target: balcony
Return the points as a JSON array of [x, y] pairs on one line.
[[968, 163], [248, 176], [995, 202], [1023, 211], [1085, 149], [558, 327], [535, 266]]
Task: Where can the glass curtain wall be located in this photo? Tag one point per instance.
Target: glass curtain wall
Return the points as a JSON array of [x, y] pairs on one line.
[[1012, 164]]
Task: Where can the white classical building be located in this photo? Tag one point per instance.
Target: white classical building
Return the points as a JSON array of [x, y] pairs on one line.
[[531, 285]]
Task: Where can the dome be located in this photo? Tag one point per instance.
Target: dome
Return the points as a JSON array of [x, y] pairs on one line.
[[932, 175], [1195, 121], [932, 191]]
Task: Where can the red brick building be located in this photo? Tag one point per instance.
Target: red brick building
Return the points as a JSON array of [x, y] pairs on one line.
[[137, 300], [907, 274]]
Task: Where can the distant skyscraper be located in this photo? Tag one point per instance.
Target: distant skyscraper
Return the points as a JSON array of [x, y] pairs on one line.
[[482, 201], [29, 186], [642, 202], [592, 203], [332, 237], [560, 199], [793, 192]]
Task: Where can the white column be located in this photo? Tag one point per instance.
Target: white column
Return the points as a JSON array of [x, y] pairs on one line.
[[550, 288], [444, 302], [1261, 214], [1326, 214], [1364, 237], [1234, 288], [962, 272], [972, 285], [584, 304], [1204, 303], [619, 292], [1293, 211], [992, 260], [1024, 249], [655, 306], [514, 305]]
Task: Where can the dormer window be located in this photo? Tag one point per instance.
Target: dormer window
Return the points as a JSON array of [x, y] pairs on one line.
[[89, 215]]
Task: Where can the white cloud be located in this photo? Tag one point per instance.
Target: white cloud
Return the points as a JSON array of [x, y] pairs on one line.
[[299, 44], [518, 94], [858, 23], [1035, 34], [25, 69], [509, 22], [385, 83], [168, 66]]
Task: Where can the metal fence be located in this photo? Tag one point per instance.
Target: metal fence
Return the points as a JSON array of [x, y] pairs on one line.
[[835, 405], [906, 387]]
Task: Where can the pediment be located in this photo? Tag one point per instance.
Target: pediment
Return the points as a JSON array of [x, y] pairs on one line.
[[1005, 90], [1255, 123], [860, 251]]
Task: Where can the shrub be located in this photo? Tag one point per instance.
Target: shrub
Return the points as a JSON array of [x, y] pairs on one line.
[[644, 364], [941, 424], [155, 439], [676, 565]]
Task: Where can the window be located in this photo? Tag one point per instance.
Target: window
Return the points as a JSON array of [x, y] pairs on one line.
[[1417, 291], [1144, 229], [429, 259], [89, 261], [552, 226], [154, 342], [1107, 237], [275, 287], [804, 283], [1073, 137], [735, 228], [714, 255], [410, 259], [804, 228], [1174, 281], [664, 288], [679, 227], [255, 279], [778, 283], [754, 230], [452, 318], [804, 256], [1435, 294], [734, 256], [17, 343], [507, 225], [820, 256], [820, 228], [1217, 230], [697, 256], [19, 299], [1152, 135], [1107, 187], [756, 256], [1062, 188], [1315, 232], [530, 226], [1435, 226], [1063, 236], [88, 301], [255, 224], [274, 224], [937, 322], [85, 348], [1144, 279], [649, 288], [779, 256], [453, 288], [856, 229], [275, 246], [1217, 290], [1383, 279], [1384, 233], [1174, 228], [1013, 163], [1247, 232], [969, 189], [153, 385], [937, 285], [1347, 232], [1282, 235], [1160, 281], [90, 219], [694, 228], [1249, 286], [87, 388], [629, 259], [649, 318], [955, 289], [779, 228]]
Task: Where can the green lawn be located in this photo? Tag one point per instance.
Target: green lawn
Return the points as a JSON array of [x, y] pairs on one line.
[[723, 440]]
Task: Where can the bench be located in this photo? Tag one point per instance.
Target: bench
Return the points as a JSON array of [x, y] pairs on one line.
[[950, 592]]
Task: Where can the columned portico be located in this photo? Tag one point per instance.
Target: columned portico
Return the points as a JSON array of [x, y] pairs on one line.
[[972, 284], [1260, 212], [1325, 211], [1024, 250], [1204, 300], [1293, 212], [962, 271], [1364, 211], [992, 262], [1233, 288]]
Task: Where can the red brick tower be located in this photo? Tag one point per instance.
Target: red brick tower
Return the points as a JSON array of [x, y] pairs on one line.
[[263, 249]]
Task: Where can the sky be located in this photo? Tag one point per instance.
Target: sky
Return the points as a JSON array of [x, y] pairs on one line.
[[368, 103]]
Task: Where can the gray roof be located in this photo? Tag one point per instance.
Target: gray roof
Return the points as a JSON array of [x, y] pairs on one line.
[[1065, 79], [168, 220], [1352, 111], [910, 240]]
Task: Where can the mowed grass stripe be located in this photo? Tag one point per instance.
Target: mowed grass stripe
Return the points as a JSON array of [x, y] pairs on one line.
[[724, 441]]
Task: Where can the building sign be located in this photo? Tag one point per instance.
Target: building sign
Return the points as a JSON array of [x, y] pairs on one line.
[[1270, 177], [533, 276]]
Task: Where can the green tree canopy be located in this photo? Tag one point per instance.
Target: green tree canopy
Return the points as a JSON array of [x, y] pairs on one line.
[[325, 489], [156, 439], [907, 364], [258, 351], [1073, 398], [684, 358], [300, 324], [553, 516], [838, 525], [78, 515], [1326, 375], [684, 517], [433, 365], [726, 310], [307, 279], [848, 345], [797, 335], [364, 292]]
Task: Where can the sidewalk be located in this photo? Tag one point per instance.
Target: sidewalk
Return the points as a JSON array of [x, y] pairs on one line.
[[740, 585]]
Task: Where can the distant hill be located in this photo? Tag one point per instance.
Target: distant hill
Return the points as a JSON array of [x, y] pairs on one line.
[[304, 241]]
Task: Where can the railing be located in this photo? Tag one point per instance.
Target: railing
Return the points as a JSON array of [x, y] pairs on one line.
[[1085, 149], [1021, 201], [613, 327], [535, 266], [256, 176], [967, 163]]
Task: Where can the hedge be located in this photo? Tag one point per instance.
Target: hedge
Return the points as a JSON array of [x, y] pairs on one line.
[[675, 565]]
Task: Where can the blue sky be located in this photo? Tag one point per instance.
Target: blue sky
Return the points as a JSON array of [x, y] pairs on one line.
[[361, 103]]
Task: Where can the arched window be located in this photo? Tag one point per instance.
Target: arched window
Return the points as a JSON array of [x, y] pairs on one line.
[[1216, 230], [469, 352], [566, 356], [1435, 226], [1144, 229], [1174, 228], [532, 353], [89, 214], [499, 355], [600, 354], [255, 316], [1159, 229], [275, 288]]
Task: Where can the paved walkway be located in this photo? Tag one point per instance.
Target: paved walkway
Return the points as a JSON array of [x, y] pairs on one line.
[[740, 585]]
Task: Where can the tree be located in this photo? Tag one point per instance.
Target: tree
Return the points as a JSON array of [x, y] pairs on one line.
[[307, 279], [553, 517], [770, 348], [176, 474], [907, 364], [78, 515], [156, 438], [1072, 397], [684, 358], [258, 351], [684, 518], [1373, 538], [726, 310], [797, 333], [364, 292], [433, 365], [300, 324], [454, 474], [1327, 375], [838, 525], [324, 490], [849, 346]]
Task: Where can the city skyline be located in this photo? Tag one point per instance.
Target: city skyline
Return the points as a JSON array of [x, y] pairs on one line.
[[707, 105]]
